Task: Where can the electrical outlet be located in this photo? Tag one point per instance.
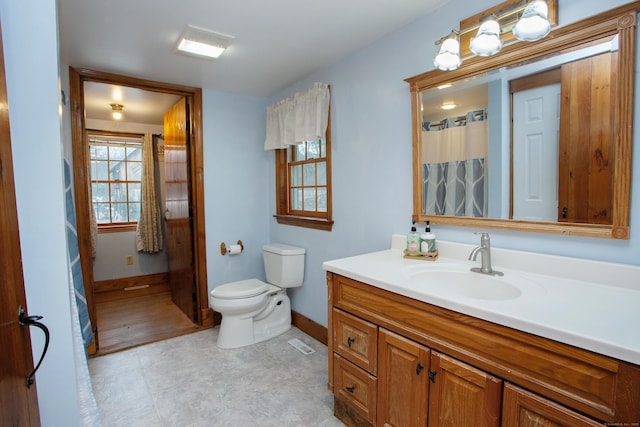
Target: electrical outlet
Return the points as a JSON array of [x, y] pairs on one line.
[[129, 260]]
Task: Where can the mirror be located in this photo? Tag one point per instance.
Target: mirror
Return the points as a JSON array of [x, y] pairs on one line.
[[579, 184]]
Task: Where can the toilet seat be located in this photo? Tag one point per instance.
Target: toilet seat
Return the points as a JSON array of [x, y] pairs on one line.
[[241, 289]]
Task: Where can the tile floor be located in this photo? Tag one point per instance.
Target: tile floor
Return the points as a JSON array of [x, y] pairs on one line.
[[188, 381]]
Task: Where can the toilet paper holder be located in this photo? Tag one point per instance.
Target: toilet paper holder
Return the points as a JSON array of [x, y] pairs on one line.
[[226, 249]]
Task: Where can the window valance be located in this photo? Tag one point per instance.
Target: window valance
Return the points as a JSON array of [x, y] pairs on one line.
[[301, 118]]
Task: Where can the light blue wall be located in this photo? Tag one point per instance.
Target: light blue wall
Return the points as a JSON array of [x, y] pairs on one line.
[[371, 137], [30, 38], [237, 192]]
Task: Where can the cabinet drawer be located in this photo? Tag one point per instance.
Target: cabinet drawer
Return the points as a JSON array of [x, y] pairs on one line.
[[521, 408], [356, 387], [356, 340]]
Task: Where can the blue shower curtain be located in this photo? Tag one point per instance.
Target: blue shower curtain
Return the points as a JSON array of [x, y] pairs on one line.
[[74, 259], [454, 183]]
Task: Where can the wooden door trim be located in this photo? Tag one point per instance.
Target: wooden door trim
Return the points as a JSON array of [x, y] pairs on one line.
[[77, 77]]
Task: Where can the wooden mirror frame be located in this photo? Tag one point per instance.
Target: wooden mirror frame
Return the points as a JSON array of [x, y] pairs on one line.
[[620, 21]]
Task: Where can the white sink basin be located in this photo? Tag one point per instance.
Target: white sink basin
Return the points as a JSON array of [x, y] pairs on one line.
[[456, 280]]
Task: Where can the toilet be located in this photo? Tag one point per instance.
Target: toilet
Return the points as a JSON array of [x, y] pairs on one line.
[[254, 311]]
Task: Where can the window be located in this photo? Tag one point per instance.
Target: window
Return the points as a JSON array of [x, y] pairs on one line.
[[303, 184], [116, 172]]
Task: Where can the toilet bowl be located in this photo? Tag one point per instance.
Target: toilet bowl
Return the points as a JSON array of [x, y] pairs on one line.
[[252, 310]]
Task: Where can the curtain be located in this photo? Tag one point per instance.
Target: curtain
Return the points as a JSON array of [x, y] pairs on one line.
[[80, 323], [149, 228], [454, 153], [302, 118]]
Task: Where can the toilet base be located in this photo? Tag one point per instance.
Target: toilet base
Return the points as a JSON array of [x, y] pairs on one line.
[[274, 320]]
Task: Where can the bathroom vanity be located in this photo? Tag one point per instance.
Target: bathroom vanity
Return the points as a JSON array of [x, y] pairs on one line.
[[429, 342]]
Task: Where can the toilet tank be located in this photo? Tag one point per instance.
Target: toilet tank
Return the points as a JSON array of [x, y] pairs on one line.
[[283, 265]]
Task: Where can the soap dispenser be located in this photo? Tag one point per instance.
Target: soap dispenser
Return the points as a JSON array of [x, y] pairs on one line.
[[413, 242], [427, 240]]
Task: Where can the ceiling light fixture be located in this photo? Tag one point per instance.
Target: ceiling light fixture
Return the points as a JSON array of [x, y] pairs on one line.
[[493, 26], [202, 43], [117, 111], [448, 106]]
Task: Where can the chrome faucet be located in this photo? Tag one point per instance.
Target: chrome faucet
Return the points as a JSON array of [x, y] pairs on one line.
[[485, 250]]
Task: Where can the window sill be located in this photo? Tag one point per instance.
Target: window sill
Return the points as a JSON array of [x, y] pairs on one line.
[[300, 221], [116, 228]]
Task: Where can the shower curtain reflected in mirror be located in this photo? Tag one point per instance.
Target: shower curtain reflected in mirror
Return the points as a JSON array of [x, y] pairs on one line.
[[454, 157]]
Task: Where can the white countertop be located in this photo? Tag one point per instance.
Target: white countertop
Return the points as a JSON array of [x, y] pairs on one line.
[[589, 304]]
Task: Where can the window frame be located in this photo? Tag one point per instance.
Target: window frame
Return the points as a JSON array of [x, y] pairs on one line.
[[284, 214], [111, 227]]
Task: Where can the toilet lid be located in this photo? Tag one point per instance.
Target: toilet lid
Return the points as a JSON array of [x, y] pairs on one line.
[[242, 289]]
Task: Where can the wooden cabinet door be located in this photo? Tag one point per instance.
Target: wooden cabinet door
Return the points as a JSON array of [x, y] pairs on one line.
[[462, 395], [521, 408], [403, 381]]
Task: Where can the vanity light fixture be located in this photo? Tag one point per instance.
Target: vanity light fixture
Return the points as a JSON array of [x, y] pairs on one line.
[[493, 26], [534, 24], [117, 111], [202, 43], [449, 56], [487, 41]]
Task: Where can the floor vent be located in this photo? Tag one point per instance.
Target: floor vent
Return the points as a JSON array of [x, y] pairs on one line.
[[300, 346]]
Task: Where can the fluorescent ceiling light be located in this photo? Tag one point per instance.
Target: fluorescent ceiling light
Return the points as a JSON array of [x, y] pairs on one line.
[[203, 43]]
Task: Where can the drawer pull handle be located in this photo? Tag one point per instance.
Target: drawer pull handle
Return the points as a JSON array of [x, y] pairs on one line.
[[351, 389], [350, 341], [419, 368]]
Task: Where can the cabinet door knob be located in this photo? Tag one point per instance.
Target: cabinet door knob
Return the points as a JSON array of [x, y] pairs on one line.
[[351, 389], [350, 341], [432, 375], [419, 368]]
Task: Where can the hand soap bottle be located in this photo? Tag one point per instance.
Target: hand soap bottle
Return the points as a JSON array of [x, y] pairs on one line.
[[413, 242], [427, 240]]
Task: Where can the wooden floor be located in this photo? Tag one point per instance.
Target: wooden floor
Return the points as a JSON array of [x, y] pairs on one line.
[[140, 319]]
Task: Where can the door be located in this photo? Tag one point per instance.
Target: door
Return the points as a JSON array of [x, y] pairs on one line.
[[536, 127], [462, 395], [586, 175], [178, 209], [403, 381], [18, 403]]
